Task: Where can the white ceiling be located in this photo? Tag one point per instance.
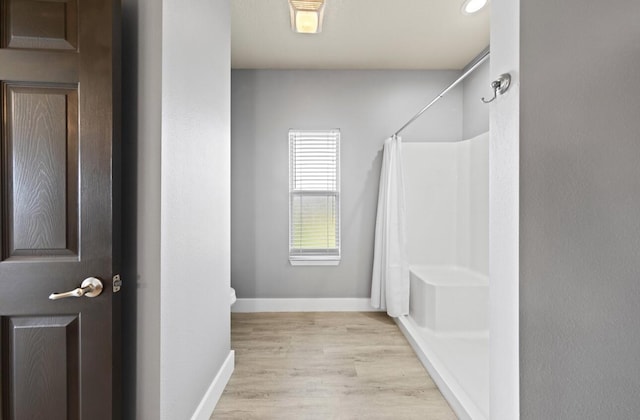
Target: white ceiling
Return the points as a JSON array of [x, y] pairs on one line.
[[358, 34]]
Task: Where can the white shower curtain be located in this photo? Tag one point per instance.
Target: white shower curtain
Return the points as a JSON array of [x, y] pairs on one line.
[[390, 282]]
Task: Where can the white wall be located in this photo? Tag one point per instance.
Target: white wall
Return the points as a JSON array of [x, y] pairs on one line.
[[504, 178], [367, 106], [177, 143], [447, 203]]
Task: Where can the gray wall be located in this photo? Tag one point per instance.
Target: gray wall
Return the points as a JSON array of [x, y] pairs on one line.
[[580, 209], [475, 113], [195, 229], [177, 203], [141, 133], [367, 106]]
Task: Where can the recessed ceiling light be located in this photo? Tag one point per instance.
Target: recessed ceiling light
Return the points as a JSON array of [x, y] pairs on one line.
[[470, 7], [306, 16]]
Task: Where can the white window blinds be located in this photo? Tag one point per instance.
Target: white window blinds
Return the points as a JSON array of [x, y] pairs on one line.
[[314, 195]]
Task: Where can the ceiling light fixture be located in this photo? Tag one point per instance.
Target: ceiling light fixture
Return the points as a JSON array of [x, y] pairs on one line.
[[470, 7], [306, 16]]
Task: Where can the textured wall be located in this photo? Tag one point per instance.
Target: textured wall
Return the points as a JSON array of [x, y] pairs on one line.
[[176, 132], [580, 201], [504, 175], [367, 106], [195, 257], [141, 133]]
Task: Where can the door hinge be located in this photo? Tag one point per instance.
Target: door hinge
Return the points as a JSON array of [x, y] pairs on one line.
[[117, 283]]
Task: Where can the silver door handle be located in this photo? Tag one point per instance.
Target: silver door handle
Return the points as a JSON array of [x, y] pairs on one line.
[[90, 287]]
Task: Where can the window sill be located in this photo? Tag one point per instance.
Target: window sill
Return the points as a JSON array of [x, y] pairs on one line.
[[310, 261]]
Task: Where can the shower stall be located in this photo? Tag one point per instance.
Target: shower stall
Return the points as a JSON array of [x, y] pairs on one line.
[[431, 259], [447, 211]]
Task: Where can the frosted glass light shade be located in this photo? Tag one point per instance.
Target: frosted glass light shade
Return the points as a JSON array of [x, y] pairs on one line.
[[306, 22], [470, 7], [306, 16]]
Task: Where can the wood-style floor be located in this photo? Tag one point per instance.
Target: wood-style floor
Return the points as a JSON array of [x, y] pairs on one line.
[[326, 366]]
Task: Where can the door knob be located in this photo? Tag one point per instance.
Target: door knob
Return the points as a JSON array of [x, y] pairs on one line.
[[90, 287]]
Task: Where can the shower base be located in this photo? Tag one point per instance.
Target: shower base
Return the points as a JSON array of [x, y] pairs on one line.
[[452, 344]]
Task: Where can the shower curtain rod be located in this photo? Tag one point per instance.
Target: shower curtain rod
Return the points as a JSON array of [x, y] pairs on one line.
[[479, 60]]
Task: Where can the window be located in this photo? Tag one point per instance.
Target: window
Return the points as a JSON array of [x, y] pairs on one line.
[[314, 197]]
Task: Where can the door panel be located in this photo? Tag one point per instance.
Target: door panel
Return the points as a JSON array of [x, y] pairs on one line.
[[50, 24], [43, 379], [57, 204], [42, 204]]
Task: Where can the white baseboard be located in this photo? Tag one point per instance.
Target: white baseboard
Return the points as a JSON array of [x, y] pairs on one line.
[[304, 305], [211, 397]]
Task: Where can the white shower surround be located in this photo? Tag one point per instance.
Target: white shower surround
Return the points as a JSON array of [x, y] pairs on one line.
[[449, 299], [447, 197]]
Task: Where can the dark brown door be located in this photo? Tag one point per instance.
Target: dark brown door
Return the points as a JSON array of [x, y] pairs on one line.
[[57, 69]]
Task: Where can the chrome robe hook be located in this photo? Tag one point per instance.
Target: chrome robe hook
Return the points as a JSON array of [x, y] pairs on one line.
[[499, 86]]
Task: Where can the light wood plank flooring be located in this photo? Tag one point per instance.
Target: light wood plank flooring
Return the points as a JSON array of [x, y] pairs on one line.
[[326, 366]]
